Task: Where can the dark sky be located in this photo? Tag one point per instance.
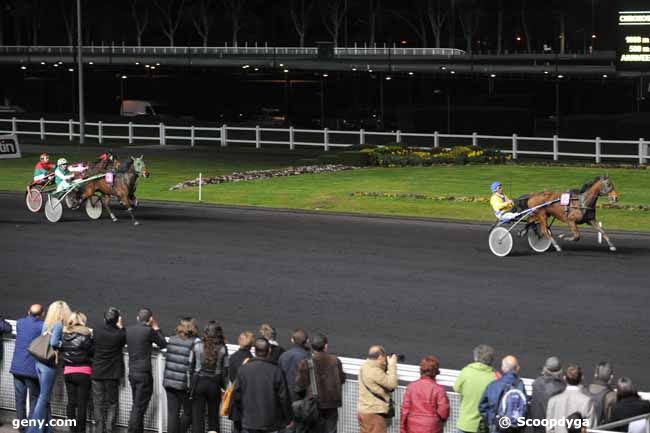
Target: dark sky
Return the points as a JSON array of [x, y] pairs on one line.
[[42, 22]]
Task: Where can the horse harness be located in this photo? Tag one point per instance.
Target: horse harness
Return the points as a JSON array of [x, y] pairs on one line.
[[605, 189]]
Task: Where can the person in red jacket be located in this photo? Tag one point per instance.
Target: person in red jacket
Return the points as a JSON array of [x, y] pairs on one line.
[[425, 407], [43, 167]]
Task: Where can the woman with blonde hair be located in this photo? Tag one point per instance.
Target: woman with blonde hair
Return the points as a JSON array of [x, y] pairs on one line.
[[57, 314], [77, 348]]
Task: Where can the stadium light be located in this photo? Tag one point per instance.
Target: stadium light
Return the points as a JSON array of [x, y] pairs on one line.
[[56, 65], [593, 36], [560, 76], [411, 74], [91, 63], [70, 70], [137, 63], [604, 75], [286, 71], [152, 68], [388, 78], [493, 75], [124, 77], [370, 70], [256, 69], [246, 66], [545, 72], [453, 72], [354, 69], [282, 65], [147, 66], [444, 68], [42, 63], [325, 75], [23, 67], [157, 64]]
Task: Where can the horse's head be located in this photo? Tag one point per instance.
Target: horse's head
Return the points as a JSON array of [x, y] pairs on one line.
[[607, 188], [139, 166]]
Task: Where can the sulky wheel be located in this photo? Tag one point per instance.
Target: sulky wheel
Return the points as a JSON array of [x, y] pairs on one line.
[[500, 241], [94, 207], [537, 241], [34, 199], [53, 209]]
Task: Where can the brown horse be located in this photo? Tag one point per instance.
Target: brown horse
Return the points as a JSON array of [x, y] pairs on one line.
[[123, 186], [580, 210]]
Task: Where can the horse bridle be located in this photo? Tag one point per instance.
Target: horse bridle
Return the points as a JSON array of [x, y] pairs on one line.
[[605, 187]]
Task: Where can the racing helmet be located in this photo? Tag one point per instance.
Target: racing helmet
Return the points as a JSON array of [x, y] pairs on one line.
[[44, 156], [61, 161], [495, 185]]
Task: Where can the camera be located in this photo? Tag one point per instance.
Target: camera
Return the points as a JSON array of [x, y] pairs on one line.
[[400, 356]]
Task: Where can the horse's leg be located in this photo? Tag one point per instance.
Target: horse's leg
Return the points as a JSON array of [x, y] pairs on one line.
[[600, 230], [126, 201], [543, 225], [575, 234], [106, 198]]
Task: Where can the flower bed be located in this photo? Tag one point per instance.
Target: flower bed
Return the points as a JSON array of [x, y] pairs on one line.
[[262, 174], [399, 156]]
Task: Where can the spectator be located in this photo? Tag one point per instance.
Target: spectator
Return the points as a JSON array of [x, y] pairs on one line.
[[575, 423], [58, 313], [572, 399], [77, 348], [5, 328], [489, 405], [23, 365], [139, 338], [267, 331], [261, 399], [471, 383], [329, 381], [176, 377], [425, 407], [211, 370], [290, 359], [377, 380], [108, 369], [550, 383], [628, 403], [245, 341], [601, 392]]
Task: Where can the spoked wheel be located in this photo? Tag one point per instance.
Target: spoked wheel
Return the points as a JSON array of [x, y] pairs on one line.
[[71, 200], [34, 199], [94, 207], [53, 209], [537, 241], [500, 241]]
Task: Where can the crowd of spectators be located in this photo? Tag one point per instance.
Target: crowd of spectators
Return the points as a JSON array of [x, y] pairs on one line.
[[298, 390]]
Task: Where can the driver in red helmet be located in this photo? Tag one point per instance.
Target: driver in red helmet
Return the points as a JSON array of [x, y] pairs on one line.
[[43, 167]]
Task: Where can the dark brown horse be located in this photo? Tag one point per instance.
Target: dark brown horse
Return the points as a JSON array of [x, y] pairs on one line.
[[122, 187], [580, 210]]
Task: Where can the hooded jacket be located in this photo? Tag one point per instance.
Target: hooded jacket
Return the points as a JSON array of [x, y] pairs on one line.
[[470, 384]]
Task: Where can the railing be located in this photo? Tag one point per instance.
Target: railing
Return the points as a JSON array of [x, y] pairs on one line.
[[552, 148], [230, 50], [643, 427], [156, 416]]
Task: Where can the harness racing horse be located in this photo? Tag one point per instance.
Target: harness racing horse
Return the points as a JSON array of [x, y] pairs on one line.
[[122, 187], [581, 209]]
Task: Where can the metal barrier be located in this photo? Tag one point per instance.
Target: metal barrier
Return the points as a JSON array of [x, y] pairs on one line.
[[552, 148]]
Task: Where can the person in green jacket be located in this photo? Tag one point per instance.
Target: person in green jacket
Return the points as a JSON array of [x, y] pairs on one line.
[[471, 383]]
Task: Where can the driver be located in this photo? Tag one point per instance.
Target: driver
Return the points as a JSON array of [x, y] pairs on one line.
[[501, 204], [62, 175], [43, 167]]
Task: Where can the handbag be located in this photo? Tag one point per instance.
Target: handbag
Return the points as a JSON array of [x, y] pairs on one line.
[[390, 402], [306, 410], [226, 400], [41, 349]]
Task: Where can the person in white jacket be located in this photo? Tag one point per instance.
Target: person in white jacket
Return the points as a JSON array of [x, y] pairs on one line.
[[571, 400], [62, 175]]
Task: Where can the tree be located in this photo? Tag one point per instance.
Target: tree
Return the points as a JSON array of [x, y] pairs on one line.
[[140, 16], [171, 12], [436, 19], [67, 10], [374, 10], [203, 14], [300, 16], [416, 19], [469, 18], [235, 8], [524, 25], [333, 12]]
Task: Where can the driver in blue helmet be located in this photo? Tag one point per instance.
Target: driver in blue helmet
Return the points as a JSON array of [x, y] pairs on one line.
[[501, 204]]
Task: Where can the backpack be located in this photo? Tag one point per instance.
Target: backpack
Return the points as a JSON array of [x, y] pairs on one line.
[[513, 404]]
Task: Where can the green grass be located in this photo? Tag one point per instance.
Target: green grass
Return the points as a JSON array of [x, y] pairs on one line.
[[331, 192]]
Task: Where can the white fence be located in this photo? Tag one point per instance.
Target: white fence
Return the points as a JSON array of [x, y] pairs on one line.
[[553, 148], [243, 50]]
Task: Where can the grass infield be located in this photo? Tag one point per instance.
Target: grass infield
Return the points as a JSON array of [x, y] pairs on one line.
[[344, 191]]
